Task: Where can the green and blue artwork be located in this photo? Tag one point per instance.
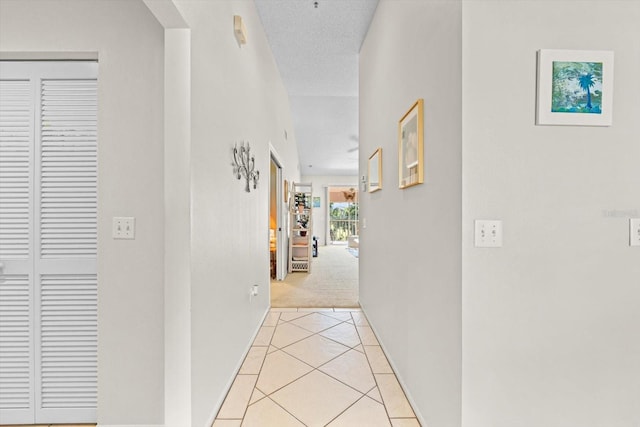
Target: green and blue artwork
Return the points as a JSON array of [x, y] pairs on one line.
[[577, 87]]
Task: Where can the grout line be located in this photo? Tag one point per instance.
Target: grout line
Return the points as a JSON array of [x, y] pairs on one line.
[[289, 383], [286, 410], [375, 380], [346, 409], [349, 348]]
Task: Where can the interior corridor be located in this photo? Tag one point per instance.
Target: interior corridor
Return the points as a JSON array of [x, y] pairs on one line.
[[333, 281], [316, 367]]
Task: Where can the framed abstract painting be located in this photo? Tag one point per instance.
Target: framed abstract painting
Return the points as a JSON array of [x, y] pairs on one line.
[[575, 87]]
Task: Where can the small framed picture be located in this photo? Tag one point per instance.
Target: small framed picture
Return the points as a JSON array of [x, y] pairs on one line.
[[286, 191], [375, 171], [575, 87], [410, 146]]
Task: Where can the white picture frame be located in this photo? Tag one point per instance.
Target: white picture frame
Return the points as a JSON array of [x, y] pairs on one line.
[[575, 88]]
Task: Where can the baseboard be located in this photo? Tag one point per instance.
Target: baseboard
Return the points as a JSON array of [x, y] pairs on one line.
[[220, 401], [395, 370]]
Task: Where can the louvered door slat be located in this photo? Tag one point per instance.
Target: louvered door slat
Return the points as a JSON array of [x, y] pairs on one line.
[[16, 206], [15, 160], [15, 344], [67, 212], [68, 166], [69, 341]]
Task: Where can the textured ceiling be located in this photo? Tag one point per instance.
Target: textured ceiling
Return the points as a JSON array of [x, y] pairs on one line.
[[316, 50]]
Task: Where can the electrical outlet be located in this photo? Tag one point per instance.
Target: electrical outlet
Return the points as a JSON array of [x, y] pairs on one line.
[[124, 227], [634, 232], [253, 292], [488, 233]]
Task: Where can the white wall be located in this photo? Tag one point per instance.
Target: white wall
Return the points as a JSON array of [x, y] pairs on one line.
[[410, 256], [551, 319], [320, 184], [177, 209], [236, 95], [129, 43]]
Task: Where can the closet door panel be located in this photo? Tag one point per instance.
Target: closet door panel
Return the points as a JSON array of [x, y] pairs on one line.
[[48, 242], [66, 302], [16, 248]]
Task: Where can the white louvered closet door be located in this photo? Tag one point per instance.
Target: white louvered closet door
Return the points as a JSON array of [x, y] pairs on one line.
[[16, 254], [48, 242]]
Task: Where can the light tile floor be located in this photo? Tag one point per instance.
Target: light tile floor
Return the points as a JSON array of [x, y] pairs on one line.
[[316, 367]]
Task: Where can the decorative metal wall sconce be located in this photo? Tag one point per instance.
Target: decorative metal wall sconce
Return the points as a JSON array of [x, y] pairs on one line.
[[245, 165]]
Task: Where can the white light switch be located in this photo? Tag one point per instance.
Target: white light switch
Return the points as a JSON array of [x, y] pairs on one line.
[[488, 233], [634, 232], [124, 227]]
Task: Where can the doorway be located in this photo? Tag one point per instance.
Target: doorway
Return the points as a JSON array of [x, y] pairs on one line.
[[276, 241], [343, 224], [334, 279], [48, 242]]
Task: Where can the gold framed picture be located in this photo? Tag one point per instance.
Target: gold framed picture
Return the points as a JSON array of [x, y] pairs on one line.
[[286, 191], [375, 171], [410, 146]]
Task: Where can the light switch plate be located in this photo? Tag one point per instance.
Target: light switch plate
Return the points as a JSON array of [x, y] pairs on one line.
[[634, 232], [124, 227], [488, 233]]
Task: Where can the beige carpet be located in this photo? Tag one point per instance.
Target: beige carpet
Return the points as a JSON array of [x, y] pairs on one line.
[[333, 282]]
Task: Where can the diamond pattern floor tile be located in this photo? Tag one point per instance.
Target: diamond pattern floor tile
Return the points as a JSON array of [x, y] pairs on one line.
[[286, 334], [315, 350], [316, 367], [288, 317], [267, 413], [342, 316], [316, 322], [280, 369], [316, 399], [351, 368], [375, 395], [365, 412], [344, 333], [256, 396]]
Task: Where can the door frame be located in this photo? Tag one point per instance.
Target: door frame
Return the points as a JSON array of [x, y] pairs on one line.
[[281, 244]]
